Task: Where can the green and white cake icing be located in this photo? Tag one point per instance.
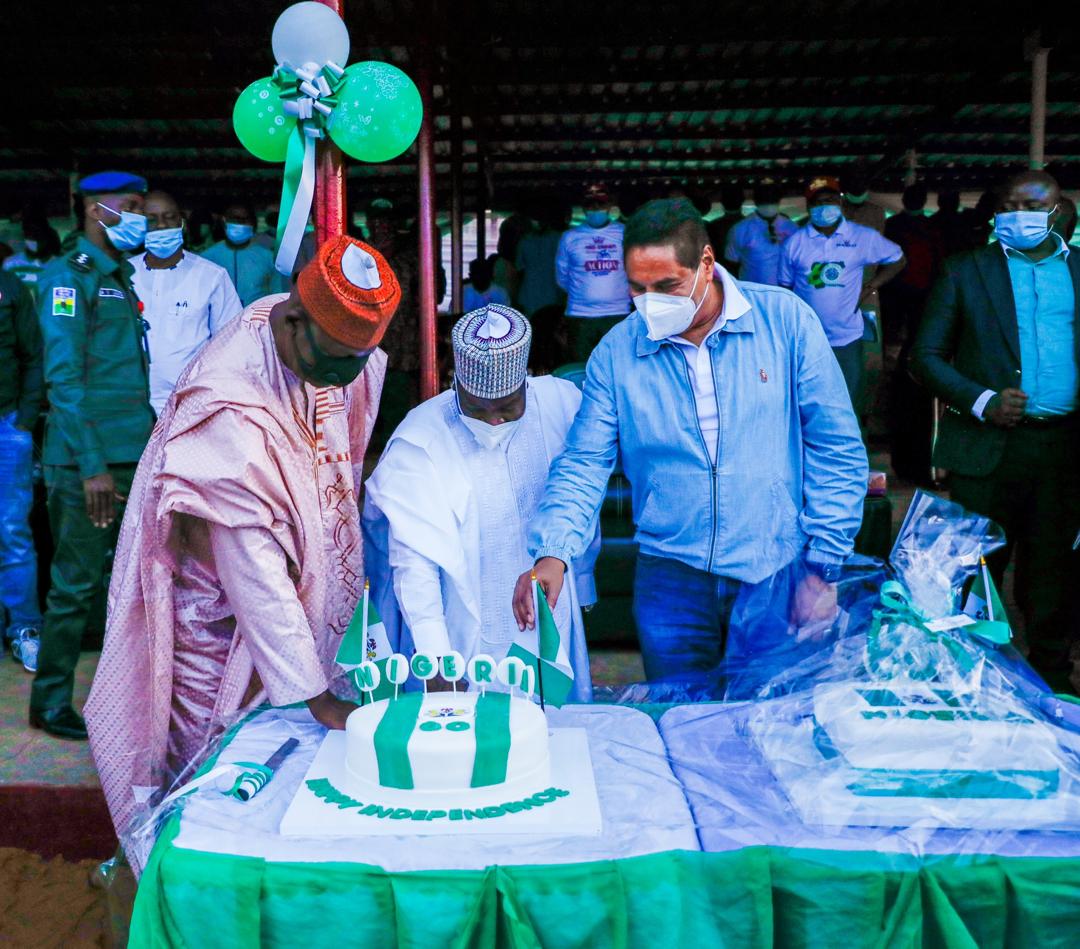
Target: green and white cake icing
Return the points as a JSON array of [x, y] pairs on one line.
[[914, 739], [447, 743]]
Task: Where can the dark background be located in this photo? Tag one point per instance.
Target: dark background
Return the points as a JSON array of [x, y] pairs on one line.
[[638, 93]]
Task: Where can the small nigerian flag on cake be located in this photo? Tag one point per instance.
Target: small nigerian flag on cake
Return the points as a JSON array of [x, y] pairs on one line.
[[554, 674], [365, 641], [984, 604]]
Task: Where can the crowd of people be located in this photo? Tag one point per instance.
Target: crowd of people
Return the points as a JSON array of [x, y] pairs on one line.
[[724, 371]]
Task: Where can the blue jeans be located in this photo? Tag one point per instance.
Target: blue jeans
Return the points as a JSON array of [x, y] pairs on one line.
[[18, 559], [713, 636]]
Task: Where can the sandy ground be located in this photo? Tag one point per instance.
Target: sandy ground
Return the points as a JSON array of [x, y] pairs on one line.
[[46, 903]]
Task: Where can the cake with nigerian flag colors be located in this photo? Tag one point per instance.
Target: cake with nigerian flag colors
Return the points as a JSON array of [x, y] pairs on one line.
[[435, 743], [473, 756], [459, 743], [483, 737]]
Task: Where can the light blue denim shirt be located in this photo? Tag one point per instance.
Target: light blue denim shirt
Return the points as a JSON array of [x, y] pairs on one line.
[[791, 469], [1046, 320]]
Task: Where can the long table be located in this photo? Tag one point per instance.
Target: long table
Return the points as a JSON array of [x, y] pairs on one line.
[[698, 849]]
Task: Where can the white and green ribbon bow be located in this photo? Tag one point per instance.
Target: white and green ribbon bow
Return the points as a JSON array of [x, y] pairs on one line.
[[309, 96], [890, 651]]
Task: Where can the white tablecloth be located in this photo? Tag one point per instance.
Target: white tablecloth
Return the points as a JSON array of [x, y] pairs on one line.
[[738, 802], [643, 806]]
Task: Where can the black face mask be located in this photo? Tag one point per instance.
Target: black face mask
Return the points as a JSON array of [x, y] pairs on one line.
[[329, 370]]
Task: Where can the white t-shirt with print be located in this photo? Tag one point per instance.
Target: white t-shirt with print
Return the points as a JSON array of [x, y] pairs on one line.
[[827, 272], [589, 267]]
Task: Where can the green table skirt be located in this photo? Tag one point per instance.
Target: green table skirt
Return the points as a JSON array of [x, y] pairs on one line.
[[758, 896]]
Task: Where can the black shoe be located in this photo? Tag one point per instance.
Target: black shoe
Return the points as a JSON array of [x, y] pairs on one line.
[[63, 722]]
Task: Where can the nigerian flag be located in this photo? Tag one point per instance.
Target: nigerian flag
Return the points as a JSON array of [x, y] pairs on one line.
[[984, 604], [554, 674], [365, 641]]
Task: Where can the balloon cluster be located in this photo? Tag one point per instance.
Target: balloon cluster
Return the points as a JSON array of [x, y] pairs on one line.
[[371, 110]]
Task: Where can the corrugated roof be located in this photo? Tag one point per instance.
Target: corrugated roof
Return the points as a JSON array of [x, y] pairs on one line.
[[557, 93]]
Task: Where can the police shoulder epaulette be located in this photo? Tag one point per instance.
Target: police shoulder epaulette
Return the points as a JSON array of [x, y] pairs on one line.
[[81, 261]]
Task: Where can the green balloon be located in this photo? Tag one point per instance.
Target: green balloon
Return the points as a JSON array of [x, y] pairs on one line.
[[378, 112], [260, 122]]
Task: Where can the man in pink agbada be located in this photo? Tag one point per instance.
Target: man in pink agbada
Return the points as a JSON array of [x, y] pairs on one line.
[[240, 560]]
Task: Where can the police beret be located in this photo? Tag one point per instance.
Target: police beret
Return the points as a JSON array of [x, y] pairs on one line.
[[112, 182]]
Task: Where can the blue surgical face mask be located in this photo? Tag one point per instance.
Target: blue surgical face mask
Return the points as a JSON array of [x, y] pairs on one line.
[[165, 242], [826, 215], [129, 233], [1022, 230], [597, 218], [238, 233], [768, 211]]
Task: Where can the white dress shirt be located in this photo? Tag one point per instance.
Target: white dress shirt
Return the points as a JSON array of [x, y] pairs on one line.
[[699, 362], [185, 305]]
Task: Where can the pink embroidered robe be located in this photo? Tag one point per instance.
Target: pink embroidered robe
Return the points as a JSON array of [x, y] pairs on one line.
[[250, 467]]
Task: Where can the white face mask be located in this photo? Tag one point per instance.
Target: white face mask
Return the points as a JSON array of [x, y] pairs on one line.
[[668, 314], [489, 436]]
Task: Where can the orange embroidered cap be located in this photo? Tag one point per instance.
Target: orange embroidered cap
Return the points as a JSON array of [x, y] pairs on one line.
[[350, 291]]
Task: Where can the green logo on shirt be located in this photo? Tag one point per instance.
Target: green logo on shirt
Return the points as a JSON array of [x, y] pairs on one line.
[[826, 273]]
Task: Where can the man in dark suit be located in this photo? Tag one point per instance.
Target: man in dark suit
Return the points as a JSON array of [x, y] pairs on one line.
[[999, 346]]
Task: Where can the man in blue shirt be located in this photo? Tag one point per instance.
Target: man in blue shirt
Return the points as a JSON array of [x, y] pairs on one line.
[[734, 427], [753, 245], [998, 345], [250, 265], [824, 263]]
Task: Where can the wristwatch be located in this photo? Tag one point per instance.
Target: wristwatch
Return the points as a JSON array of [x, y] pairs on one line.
[[829, 572]]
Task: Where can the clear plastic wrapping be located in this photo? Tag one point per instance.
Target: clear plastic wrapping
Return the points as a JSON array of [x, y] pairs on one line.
[[900, 730]]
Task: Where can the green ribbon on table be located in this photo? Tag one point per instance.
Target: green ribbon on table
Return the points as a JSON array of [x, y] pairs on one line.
[[310, 98]]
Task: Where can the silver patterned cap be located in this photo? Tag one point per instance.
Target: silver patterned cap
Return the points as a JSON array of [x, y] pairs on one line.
[[491, 351]]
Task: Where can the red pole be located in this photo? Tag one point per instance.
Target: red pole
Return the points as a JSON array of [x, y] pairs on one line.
[[330, 174], [329, 192], [429, 372]]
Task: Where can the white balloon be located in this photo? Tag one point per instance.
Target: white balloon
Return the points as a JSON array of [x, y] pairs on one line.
[[310, 32]]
